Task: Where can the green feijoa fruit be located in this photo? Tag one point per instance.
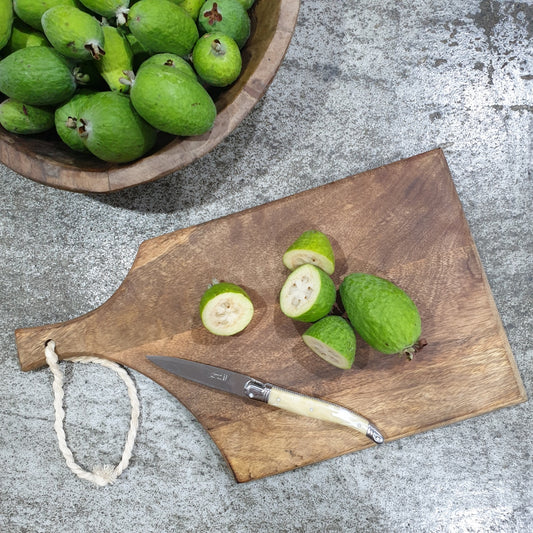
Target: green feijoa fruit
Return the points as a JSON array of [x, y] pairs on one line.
[[225, 308], [136, 46], [116, 9], [172, 101], [172, 61], [20, 118], [383, 314], [66, 120], [225, 16], [112, 130], [162, 26], [31, 11], [140, 52], [308, 294], [73, 32], [217, 59], [24, 36], [191, 6], [247, 4], [333, 339], [313, 247], [38, 75], [117, 59], [6, 21]]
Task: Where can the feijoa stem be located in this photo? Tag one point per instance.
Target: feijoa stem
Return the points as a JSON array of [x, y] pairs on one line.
[[416, 347], [217, 47], [95, 50]]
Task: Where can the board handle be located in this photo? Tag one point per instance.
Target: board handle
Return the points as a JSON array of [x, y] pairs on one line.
[[71, 338]]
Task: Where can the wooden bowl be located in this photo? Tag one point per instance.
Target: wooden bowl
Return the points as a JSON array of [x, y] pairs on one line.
[[45, 159]]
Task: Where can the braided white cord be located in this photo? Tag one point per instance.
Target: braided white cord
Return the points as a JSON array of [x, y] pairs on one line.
[[101, 475]]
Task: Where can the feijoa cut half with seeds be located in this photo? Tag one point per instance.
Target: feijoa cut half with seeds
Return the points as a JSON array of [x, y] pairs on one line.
[[225, 308], [308, 294], [313, 247], [333, 339]]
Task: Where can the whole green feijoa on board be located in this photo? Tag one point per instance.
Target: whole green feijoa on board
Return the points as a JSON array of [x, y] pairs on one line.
[[66, 120], [217, 59], [24, 119], [383, 314], [225, 308], [37, 75], [162, 26], [31, 11], [112, 130], [171, 101], [73, 32], [308, 294], [312, 247], [225, 16], [6, 21], [333, 339]]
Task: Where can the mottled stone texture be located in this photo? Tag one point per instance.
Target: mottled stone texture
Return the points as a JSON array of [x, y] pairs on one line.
[[363, 83]]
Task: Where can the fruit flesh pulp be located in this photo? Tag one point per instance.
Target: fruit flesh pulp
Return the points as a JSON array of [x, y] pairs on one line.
[[312, 247], [332, 339], [308, 294], [225, 309]]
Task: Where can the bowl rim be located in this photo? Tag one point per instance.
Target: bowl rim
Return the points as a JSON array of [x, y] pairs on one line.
[[44, 169]]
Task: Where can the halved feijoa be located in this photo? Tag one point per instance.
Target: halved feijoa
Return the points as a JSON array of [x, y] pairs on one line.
[[308, 294], [333, 339], [312, 247], [382, 313], [225, 308]]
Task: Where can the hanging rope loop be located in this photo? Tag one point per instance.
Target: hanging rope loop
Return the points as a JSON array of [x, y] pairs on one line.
[[105, 474]]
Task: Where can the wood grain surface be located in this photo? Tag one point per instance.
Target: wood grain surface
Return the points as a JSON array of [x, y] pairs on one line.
[[46, 159], [403, 221]]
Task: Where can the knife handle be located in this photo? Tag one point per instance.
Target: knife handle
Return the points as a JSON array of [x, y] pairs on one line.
[[301, 404]]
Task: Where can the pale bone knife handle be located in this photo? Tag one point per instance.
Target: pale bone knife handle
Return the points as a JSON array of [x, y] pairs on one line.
[[301, 404]]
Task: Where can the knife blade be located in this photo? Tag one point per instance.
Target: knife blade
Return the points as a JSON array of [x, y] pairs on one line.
[[248, 387]]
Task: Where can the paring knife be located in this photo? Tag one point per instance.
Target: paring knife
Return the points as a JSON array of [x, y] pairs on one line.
[[242, 385]]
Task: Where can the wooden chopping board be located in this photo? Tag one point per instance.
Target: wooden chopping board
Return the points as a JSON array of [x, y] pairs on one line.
[[403, 221]]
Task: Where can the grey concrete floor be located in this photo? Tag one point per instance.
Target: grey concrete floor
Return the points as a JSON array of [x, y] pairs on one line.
[[361, 85]]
